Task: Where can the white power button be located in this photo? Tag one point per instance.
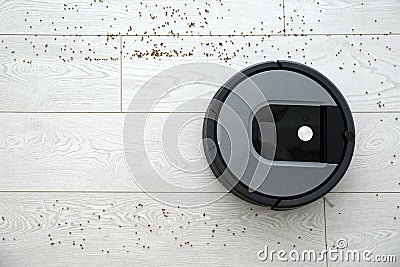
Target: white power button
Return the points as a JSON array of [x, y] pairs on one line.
[[305, 133]]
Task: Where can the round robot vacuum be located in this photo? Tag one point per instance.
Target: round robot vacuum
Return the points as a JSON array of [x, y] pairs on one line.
[[279, 134]]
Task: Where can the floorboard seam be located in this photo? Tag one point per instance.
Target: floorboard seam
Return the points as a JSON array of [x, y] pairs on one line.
[[293, 34], [325, 237], [154, 192], [120, 72], [284, 17], [154, 112]]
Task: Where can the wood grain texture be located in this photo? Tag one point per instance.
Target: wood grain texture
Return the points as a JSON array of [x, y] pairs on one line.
[[84, 152], [366, 222], [82, 73], [59, 73], [375, 164], [61, 229], [364, 68], [141, 17], [342, 16], [69, 152]]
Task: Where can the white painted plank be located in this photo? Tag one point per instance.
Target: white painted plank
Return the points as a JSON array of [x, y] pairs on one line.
[[84, 152], [365, 69], [366, 222], [141, 17], [375, 166], [113, 228], [59, 73], [51, 83], [69, 152], [342, 16]]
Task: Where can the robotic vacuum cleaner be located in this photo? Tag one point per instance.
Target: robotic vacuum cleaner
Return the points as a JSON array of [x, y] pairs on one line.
[[279, 134]]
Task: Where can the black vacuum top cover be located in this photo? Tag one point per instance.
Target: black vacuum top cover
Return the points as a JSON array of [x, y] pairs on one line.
[[279, 134]]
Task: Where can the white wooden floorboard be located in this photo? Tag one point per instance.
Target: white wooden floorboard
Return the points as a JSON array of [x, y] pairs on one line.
[[82, 73], [141, 17], [84, 152], [342, 16], [367, 222], [364, 68], [375, 166], [62, 229], [56, 73]]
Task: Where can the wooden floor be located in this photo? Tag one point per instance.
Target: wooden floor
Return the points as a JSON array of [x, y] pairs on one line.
[[68, 72]]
